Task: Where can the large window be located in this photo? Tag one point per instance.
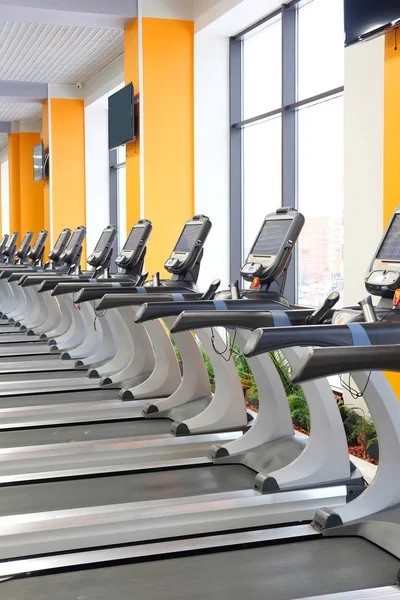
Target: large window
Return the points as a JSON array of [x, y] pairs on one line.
[[287, 138]]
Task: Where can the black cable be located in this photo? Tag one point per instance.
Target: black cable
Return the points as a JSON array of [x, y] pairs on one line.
[[227, 347], [347, 386]]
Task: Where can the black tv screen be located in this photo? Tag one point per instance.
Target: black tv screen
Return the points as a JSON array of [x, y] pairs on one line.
[[121, 121], [366, 18], [39, 160]]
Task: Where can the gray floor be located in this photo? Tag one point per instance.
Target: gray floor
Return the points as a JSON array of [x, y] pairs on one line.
[[79, 433], [58, 495], [285, 572]]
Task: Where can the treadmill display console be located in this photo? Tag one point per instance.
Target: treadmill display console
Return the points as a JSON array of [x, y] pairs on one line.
[[25, 244], [74, 246], [60, 244], [274, 244], [38, 245], [189, 245], [187, 239], [271, 237], [133, 250], [103, 246], [383, 276], [389, 249]]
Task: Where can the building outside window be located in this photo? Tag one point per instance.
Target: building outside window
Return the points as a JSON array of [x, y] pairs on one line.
[[287, 75]]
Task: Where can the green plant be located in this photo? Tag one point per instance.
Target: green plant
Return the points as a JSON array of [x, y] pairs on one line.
[[175, 347], [246, 376], [299, 411]]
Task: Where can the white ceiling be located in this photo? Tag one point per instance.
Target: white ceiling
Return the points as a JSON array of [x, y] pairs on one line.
[[55, 54], [20, 110]]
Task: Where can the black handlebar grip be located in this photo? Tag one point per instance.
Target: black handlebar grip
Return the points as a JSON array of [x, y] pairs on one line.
[[321, 312], [244, 319], [323, 362], [210, 293]]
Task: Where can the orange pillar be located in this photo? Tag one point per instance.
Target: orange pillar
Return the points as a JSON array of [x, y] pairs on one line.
[[391, 145], [31, 193], [131, 57], [46, 182], [164, 173], [67, 165]]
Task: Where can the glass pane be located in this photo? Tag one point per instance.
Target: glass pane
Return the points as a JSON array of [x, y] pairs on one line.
[[320, 47], [121, 155], [261, 176], [121, 174], [320, 199], [262, 70]]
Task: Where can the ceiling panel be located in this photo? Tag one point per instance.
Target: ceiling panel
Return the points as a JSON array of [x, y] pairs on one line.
[[3, 141], [54, 54], [20, 110]]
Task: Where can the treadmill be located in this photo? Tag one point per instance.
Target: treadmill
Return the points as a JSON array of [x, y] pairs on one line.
[[12, 384], [62, 259], [351, 551]]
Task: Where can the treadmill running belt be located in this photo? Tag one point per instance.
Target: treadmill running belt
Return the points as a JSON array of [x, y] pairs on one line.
[[83, 433], [115, 489], [26, 349], [19, 377], [57, 398], [285, 572]]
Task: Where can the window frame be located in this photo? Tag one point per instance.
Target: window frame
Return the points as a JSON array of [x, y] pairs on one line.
[[114, 167], [288, 111]]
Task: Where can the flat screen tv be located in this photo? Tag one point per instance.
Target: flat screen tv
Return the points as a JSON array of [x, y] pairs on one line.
[[368, 18], [121, 117], [39, 162]]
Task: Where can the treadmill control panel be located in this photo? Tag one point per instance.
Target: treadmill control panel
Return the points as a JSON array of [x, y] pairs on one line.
[[4, 244], [60, 244], [189, 245], [103, 247], [38, 246], [25, 244], [383, 276], [12, 242], [74, 247], [132, 252], [273, 246]]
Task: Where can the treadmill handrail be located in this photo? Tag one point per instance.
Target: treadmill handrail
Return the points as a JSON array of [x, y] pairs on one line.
[[96, 291], [269, 339], [324, 362], [205, 313], [119, 300]]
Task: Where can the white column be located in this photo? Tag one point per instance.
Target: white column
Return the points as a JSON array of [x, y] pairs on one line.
[[363, 158], [211, 123], [97, 171]]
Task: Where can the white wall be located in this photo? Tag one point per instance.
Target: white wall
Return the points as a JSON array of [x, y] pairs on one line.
[[97, 171], [5, 198], [212, 150], [363, 158]]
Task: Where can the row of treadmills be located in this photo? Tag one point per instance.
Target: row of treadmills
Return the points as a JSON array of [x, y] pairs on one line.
[[126, 473]]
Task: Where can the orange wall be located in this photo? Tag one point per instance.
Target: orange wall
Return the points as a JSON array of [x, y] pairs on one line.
[[391, 145], [168, 97], [67, 156], [46, 183], [31, 193], [1, 204], [131, 55], [14, 182]]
